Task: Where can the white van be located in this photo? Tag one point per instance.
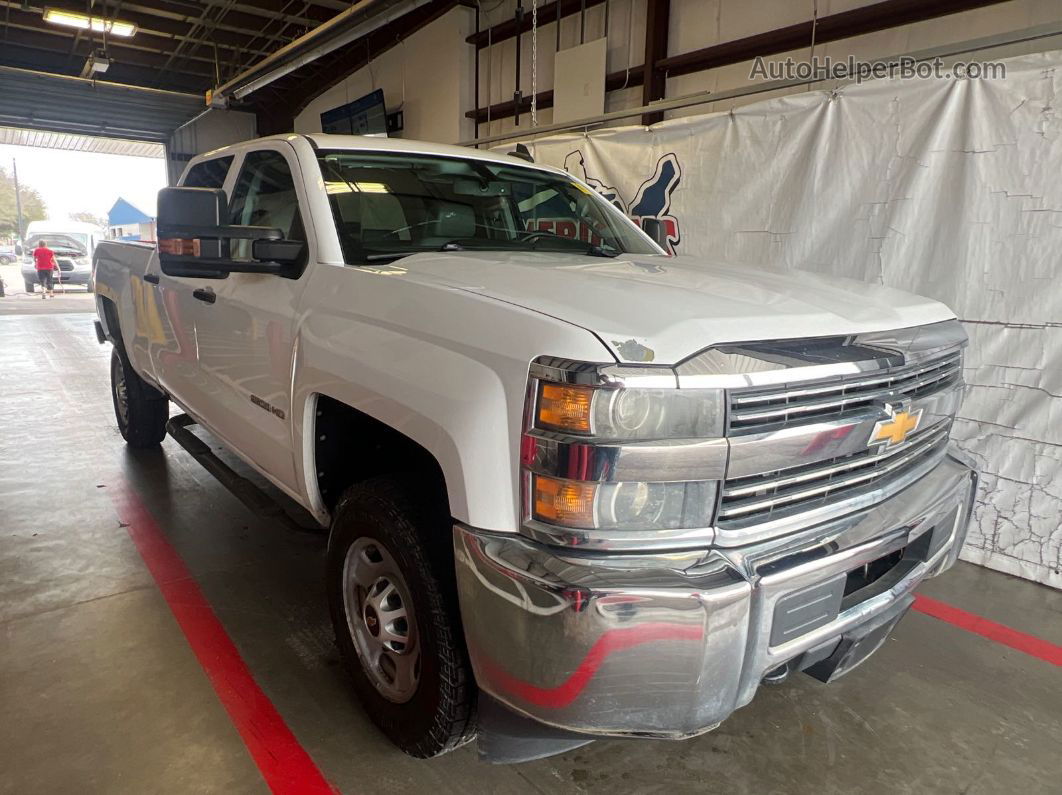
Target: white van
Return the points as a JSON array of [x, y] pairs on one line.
[[74, 243]]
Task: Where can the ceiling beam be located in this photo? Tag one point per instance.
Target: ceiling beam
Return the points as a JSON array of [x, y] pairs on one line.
[[158, 32], [250, 15], [199, 25], [240, 23], [46, 60], [56, 41]]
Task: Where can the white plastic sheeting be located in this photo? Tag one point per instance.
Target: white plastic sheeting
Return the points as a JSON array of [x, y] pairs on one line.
[[948, 188]]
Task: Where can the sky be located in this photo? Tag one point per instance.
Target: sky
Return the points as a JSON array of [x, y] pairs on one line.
[[71, 182]]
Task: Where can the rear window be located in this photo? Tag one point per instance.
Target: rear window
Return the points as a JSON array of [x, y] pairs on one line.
[[208, 174]]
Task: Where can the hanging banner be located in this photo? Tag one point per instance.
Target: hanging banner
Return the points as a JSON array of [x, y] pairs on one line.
[[945, 187]]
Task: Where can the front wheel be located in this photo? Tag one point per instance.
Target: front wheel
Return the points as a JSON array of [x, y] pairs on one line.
[[140, 409], [396, 618], [30, 286]]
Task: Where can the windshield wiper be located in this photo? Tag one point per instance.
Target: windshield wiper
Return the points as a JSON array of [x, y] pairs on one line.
[[451, 245], [591, 250], [390, 256], [599, 251]]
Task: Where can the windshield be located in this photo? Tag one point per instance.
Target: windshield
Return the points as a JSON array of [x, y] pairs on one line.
[[75, 243], [389, 205]]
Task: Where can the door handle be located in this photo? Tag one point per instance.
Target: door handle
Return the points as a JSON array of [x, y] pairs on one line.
[[204, 294], [151, 277]]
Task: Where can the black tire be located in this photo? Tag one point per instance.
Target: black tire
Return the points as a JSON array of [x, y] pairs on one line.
[[414, 528], [142, 418], [31, 287]]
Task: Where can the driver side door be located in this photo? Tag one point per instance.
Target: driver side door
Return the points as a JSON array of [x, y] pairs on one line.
[[246, 339]]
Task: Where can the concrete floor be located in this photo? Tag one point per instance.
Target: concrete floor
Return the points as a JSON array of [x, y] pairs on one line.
[[100, 691]]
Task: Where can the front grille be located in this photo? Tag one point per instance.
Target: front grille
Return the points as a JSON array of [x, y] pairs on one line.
[[757, 410], [65, 265], [760, 498]]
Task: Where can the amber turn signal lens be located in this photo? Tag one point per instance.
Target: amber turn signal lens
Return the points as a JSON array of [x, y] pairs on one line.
[[565, 408], [179, 246], [564, 502]]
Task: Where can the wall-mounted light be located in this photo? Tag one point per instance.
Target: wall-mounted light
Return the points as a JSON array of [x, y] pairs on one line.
[[72, 19]]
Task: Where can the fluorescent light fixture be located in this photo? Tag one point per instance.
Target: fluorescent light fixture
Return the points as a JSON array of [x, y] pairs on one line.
[[72, 19]]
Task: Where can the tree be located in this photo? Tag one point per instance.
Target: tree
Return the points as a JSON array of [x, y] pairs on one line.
[[89, 218], [33, 208]]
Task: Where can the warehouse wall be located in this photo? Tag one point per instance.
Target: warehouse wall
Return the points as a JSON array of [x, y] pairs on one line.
[[947, 188], [734, 19], [702, 23], [625, 31], [428, 76]]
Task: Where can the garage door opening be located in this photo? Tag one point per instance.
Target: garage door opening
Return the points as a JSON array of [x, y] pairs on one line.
[[68, 192]]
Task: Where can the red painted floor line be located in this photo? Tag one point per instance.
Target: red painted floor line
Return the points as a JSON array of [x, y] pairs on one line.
[[1028, 644], [284, 764]]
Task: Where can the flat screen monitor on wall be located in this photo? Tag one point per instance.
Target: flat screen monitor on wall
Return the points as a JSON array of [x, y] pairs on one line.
[[364, 116]]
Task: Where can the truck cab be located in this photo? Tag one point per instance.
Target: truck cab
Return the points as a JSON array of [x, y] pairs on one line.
[[573, 485]]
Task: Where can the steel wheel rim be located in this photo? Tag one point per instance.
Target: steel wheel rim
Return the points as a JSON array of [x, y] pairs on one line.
[[380, 618], [121, 394]]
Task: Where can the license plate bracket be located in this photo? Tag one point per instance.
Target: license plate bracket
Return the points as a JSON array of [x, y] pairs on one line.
[[856, 645]]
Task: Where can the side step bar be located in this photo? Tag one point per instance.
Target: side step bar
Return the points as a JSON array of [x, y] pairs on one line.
[[243, 489]]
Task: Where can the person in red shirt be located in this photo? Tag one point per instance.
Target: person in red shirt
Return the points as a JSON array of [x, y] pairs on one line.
[[44, 260]]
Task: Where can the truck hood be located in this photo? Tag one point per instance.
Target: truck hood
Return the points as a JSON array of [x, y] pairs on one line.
[[665, 309]]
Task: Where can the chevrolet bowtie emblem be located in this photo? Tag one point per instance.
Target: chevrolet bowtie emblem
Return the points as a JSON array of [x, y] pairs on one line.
[[896, 428]]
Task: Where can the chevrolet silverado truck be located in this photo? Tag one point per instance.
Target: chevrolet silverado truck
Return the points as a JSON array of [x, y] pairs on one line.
[[575, 487]]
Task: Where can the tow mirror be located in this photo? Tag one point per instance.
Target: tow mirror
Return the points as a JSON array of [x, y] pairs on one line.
[[655, 228], [286, 252], [194, 238]]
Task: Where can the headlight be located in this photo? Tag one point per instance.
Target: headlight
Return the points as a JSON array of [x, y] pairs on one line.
[[620, 461], [622, 506], [629, 413]]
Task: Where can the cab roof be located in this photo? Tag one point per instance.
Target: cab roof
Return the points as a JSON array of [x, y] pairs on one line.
[[367, 143]]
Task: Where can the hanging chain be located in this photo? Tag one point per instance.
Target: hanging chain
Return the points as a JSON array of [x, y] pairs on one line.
[[534, 63]]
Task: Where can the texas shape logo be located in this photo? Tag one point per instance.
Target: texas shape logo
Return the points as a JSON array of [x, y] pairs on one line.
[[653, 198]]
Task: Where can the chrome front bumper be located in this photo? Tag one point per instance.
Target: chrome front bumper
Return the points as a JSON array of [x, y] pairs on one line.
[[669, 645]]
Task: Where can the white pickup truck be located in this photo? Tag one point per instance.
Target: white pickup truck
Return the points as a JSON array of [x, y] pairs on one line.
[[575, 487]]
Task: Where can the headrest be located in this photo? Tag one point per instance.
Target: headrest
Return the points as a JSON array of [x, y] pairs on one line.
[[454, 221]]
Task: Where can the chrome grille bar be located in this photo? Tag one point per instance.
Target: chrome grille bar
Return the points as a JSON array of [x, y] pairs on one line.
[[753, 411], [757, 497]]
